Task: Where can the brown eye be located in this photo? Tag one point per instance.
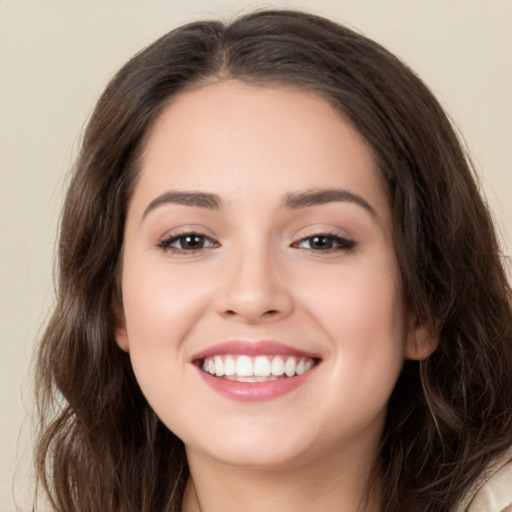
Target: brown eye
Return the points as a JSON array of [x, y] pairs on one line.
[[324, 242], [321, 242], [192, 242], [187, 242]]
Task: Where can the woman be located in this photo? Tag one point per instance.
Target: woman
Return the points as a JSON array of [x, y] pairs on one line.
[[278, 287]]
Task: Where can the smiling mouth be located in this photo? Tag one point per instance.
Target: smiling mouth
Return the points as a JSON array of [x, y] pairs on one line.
[[262, 368]]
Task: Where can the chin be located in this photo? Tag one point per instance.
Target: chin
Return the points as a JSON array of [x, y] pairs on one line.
[[256, 457]]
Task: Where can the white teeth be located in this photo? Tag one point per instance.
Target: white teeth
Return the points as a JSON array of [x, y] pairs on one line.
[[244, 368], [261, 366], [277, 366], [289, 367], [229, 366], [251, 379], [219, 366]]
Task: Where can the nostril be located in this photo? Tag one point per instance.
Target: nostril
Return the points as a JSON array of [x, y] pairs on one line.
[[270, 312], [252, 316]]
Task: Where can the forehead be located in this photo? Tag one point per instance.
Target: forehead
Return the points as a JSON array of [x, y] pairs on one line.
[[240, 140]]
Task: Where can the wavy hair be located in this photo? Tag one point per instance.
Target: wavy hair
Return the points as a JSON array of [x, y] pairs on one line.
[[101, 447]]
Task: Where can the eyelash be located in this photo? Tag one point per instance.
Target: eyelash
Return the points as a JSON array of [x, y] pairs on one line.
[[167, 244], [338, 243]]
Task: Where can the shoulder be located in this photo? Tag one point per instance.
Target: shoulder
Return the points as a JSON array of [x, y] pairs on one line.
[[495, 495]]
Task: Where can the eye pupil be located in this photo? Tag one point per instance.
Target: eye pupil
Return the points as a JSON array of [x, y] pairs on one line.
[[321, 242], [192, 242]]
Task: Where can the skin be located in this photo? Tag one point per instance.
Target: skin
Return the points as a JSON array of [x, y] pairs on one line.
[[260, 276]]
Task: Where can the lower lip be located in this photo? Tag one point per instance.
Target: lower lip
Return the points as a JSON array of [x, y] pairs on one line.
[[254, 391]]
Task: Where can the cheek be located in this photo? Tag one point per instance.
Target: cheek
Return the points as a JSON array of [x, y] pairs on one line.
[[160, 304], [161, 309], [351, 302], [362, 313]]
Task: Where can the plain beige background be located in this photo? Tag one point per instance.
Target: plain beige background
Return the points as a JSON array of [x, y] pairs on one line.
[[55, 58]]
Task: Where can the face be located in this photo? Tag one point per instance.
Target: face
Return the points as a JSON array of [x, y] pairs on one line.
[[262, 301]]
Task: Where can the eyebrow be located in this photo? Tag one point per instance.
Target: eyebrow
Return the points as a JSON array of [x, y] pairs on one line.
[[324, 196], [293, 201], [197, 199]]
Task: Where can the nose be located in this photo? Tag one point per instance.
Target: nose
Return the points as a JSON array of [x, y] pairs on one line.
[[254, 289]]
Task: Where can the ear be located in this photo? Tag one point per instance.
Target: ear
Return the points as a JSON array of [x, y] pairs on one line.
[[421, 341], [120, 332]]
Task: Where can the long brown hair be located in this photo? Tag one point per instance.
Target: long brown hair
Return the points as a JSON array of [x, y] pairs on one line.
[[101, 447]]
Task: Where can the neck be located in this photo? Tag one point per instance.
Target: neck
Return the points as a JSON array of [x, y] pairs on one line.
[[329, 486]]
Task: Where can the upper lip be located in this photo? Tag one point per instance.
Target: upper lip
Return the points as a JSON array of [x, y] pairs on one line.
[[253, 348]]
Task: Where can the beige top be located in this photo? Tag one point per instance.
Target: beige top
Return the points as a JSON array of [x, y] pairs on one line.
[[494, 494]]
